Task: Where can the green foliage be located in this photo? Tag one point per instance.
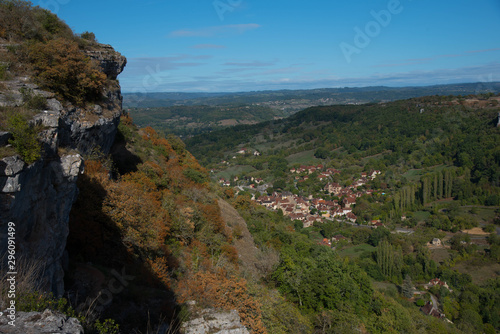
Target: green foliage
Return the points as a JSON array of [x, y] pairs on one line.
[[38, 302], [407, 288], [89, 36], [321, 153], [420, 302], [389, 259], [25, 137], [190, 120], [195, 175], [21, 20], [108, 326]]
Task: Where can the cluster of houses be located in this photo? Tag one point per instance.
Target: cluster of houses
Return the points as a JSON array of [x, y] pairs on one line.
[[254, 181], [310, 209], [301, 208], [244, 150]]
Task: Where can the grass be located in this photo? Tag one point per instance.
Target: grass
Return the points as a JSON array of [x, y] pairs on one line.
[[482, 215], [414, 174], [273, 144], [375, 157], [7, 151], [303, 158], [439, 254], [233, 171], [357, 250], [479, 269], [421, 215], [384, 285]]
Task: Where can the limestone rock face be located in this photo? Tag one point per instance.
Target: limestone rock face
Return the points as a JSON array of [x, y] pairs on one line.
[[38, 198], [215, 322], [40, 322]]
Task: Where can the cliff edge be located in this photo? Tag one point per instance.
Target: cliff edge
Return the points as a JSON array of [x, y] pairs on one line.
[[37, 197]]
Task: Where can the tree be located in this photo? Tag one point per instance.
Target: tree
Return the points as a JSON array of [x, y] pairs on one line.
[[407, 288], [25, 138], [321, 153]]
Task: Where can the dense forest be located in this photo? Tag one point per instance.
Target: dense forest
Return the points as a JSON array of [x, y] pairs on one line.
[[414, 134]]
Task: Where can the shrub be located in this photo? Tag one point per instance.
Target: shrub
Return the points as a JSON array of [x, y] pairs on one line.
[[60, 66], [89, 36], [19, 20], [107, 327], [25, 138]]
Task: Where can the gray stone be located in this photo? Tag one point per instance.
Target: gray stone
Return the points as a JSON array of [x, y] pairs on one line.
[[39, 322], [11, 166], [54, 105], [215, 322], [11, 184], [38, 198], [98, 109]]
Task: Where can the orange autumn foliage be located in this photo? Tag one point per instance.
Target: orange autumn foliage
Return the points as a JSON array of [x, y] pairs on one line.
[[169, 220], [149, 134], [95, 169], [138, 213], [160, 269], [217, 290]]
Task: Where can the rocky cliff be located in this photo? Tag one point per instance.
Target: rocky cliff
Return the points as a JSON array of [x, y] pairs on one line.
[[38, 197], [40, 322]]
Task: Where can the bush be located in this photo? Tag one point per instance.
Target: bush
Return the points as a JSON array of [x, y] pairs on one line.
[[89, 36], [25, 138], [60, 66], [107, 327]]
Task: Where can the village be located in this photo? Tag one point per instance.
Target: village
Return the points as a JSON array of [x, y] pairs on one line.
[[312, 209]]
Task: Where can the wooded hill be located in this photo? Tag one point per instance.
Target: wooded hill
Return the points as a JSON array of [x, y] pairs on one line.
[[188, 114], [415, 133]]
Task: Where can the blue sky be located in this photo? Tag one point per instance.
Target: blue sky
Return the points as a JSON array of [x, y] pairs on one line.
[[248, 45]]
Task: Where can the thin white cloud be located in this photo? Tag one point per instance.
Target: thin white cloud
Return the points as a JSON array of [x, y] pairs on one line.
[[417, 61], [145, 65], [254, 63], [485, 50], [233, 29], [482, 74], [208, 46]]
